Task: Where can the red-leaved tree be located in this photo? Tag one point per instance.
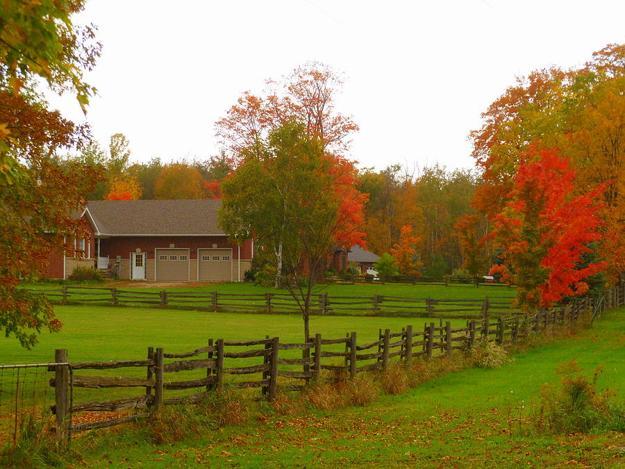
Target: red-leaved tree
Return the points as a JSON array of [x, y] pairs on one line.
[[546, 231]]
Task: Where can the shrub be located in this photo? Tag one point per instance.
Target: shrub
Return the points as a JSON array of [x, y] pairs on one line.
[[394, 379], [361, 390], [386, 267], [576, 406], [341, 392], [489, 355], [82, 274], [266, 276]]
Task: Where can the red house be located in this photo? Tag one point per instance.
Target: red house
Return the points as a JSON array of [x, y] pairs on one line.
[[156, 240]]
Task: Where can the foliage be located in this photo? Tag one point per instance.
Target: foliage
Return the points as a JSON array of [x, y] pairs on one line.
[[282, 194], [35, 178], [124, 189], [472, 245], [82, 274], [306, 96], [487, 354], [545, 231], [39, 39], [179, 181], [579, 111], [386, 267], [405, 252], [576, 405]]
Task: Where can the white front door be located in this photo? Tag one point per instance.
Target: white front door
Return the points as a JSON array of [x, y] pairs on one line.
[[138, 265]]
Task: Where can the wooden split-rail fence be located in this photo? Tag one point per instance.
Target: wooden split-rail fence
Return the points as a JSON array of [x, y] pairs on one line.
[[281, 303], [167, 377]]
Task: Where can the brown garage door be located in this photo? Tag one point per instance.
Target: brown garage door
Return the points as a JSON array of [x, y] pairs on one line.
[[215, 265], [172, 265]]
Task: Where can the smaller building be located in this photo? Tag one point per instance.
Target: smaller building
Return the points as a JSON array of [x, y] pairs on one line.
[[363, 258]]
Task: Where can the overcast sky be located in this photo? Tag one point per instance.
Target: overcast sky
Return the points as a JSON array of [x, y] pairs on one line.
[[417, 73]]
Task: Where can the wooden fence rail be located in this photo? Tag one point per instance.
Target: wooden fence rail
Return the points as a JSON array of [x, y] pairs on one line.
[[188, 376], [282, 303]]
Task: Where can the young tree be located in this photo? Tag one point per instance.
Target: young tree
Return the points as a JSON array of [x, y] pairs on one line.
[[386, 267], [283, 194], [545, 231]]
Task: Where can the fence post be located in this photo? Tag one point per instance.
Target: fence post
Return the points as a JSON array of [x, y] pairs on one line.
[[500, 331], [471, 341], [352, 355], [273, 378], [158, 379], [150, 373], [163, 295], [219, 365], [429, 340], [448, 341], [317, 358], [429, 307], [114, 299], [323, 303], [408, 347], [64, 293], [61, 392], [214, 301], [268, 307], [385, 349], [209, 369], [266, 357], [515, 330]]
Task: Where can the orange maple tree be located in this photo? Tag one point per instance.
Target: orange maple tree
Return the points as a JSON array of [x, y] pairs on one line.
[[546, 231], [406, 252]]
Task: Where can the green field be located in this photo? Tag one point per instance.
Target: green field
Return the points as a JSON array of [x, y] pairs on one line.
[[475, 417], [463, 291], [117, 333]]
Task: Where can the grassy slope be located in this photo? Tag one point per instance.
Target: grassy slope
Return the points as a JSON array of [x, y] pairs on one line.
[[468, 418]]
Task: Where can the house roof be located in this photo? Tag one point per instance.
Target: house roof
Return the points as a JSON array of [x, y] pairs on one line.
[[154, 217], [358, 254]]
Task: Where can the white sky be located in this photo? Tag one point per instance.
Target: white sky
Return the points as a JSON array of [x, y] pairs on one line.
[[417, 73]]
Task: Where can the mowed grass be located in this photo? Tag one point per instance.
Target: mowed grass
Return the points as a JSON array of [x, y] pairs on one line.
[[453, 291], [102, 333], [475, 417]]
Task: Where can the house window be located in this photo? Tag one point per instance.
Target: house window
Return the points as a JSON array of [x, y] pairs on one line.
[[173, 258], [225, 258], [162, 257], [81, 244], [183, 258], [215, 258], [206, 258]]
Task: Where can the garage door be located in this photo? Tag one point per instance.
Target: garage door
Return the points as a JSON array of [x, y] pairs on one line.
[[172, 265], [215, 265]]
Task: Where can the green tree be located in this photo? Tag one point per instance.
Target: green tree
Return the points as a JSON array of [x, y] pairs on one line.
[[386, 267], [282, 194], [179, 181]]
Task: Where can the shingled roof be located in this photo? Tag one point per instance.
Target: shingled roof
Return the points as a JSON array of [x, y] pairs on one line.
[[155, 217], [358, 254]]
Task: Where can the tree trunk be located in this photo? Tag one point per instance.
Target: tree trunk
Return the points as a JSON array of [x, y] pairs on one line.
[[277, 281]]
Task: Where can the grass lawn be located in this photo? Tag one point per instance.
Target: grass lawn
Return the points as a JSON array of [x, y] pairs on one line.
[[464, 419], [454, 291], [102, 333]]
